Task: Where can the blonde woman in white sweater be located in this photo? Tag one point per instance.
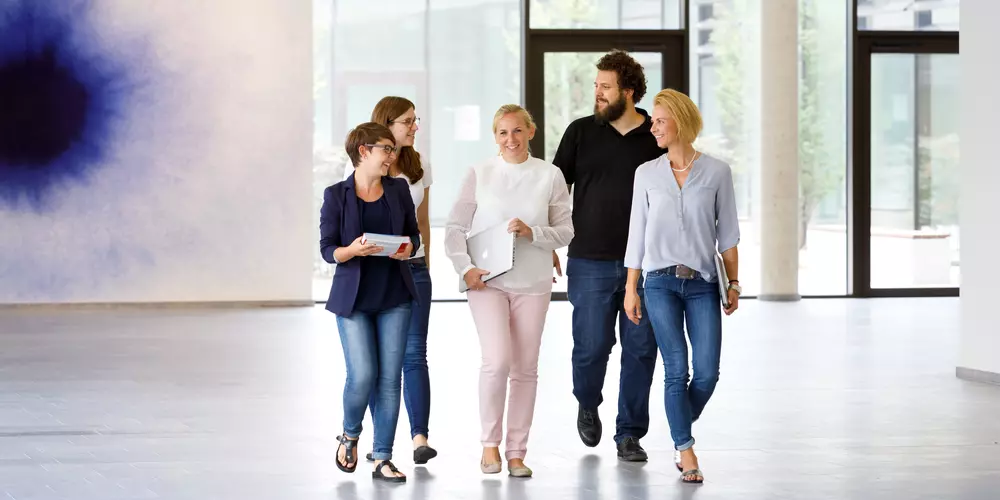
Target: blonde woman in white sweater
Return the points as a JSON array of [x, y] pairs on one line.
[[531, 197]]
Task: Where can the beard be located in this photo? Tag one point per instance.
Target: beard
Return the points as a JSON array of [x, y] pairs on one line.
[[613, 111]]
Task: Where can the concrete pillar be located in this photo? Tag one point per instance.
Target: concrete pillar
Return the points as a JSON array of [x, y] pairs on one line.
[[779, 136]]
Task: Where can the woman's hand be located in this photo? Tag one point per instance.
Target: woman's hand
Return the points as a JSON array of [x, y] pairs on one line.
[[474, 278], [403, 253], [520, 229], [556, 264], [734, 302], [359, 249], [633, 306]]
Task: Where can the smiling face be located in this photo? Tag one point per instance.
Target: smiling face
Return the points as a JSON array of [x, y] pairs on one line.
[[512, 135], [404, 128], [376, 158], [609, 100], [664, 126]]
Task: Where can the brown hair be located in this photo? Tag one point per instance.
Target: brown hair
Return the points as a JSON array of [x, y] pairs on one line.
[[366, 133], [408, 160], [629, 71], [685, 113]]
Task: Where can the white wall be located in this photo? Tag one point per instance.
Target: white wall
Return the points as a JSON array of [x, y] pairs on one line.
[[980, 185], [205, 191]]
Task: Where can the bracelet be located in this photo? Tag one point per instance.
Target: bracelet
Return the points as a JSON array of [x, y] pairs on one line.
[[734, 281]]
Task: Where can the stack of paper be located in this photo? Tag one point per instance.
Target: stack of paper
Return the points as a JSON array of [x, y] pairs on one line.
[[390, 244]]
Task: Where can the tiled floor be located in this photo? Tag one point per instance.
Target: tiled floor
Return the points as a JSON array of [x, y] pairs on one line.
[[818, 399]]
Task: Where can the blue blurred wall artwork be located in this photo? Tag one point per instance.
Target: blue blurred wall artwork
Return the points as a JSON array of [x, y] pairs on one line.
[[141, 143], [62, 96]]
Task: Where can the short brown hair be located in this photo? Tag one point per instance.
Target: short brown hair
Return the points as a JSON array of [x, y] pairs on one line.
[[388, 109], [366, 133], [685, 113], [629, 71]]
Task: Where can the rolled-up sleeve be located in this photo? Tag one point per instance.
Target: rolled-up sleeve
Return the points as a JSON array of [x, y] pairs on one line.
[[727, 221], [636, 247]]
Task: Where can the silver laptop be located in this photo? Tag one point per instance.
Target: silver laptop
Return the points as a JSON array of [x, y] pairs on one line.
[[491, 250]]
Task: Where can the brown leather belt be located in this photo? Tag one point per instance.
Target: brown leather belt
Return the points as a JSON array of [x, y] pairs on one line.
[[681, 272]]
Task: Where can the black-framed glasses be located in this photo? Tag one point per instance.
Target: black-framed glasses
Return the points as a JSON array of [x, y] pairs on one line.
[[409, 122], [385, 147]]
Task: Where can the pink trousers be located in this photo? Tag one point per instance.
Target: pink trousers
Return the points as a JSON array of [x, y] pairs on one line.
[[510, 335]]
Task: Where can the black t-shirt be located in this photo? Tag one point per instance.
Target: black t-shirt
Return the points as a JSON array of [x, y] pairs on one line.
[[599, 163], [382, 286]]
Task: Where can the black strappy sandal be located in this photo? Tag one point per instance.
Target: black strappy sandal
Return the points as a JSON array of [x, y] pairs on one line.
[[349, 456], [377, 473]]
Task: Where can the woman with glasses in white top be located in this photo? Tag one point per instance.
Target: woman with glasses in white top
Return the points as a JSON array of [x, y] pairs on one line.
[[683, 212], [398, 114], [530, 196]]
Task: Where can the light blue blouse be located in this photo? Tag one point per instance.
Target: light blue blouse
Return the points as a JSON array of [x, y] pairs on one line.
[[672, 226]]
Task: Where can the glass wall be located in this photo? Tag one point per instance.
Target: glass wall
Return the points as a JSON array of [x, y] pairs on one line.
[[606, 14], [367, 49], [914, 170], [725, 75], [458, 86], [908, 15]]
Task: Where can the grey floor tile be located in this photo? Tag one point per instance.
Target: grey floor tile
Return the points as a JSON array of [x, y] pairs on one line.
[[823, 399]]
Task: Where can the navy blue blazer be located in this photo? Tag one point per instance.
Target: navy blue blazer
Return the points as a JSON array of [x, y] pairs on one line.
[[340, 225]]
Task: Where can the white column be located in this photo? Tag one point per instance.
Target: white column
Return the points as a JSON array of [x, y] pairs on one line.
[[979, 358], [779, 148]]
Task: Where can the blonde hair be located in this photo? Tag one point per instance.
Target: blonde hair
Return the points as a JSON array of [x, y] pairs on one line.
[[684, 111], [507, 109]]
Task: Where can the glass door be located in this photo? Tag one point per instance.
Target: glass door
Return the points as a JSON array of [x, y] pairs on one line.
[[906, 169], [559, 81]]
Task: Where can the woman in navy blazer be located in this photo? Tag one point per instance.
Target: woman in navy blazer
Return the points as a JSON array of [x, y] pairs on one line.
[[371, 295]]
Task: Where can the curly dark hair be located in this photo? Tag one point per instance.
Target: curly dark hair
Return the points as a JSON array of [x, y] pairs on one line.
[[630, 73]]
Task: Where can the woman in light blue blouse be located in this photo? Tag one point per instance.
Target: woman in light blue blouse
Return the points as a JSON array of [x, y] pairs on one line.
[[683, 211]]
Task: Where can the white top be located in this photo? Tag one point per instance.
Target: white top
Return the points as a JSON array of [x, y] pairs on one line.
[[496, 192], [416, 191]]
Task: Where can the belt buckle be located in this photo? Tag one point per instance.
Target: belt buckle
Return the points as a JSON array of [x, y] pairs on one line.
[[685, 273]]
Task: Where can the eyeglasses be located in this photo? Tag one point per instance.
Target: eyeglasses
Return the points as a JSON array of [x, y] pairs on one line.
[[385, 147], [409, 122]]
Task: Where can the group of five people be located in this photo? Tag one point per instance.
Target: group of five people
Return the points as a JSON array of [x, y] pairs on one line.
[[647, 216]]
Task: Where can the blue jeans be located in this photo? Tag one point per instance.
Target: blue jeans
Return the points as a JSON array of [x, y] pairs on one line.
[[596, 288], [373, 351], [416, 381], [671, 302]]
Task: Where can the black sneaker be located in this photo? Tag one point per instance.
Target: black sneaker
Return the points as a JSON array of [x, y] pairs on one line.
[[629, 450], [588, 424]]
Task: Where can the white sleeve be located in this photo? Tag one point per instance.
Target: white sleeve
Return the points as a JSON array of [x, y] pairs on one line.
[[428, 177], [459, 223], [559, 232]]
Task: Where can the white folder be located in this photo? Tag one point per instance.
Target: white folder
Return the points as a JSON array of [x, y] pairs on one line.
[[491, 250]]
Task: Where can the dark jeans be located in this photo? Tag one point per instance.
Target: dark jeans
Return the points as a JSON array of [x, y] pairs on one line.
[[373, 352], [416, 381], [671, 303], [596, 288]]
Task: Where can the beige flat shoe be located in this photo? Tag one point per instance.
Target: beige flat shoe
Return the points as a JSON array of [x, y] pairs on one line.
[[491, 468], [519, 471]]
